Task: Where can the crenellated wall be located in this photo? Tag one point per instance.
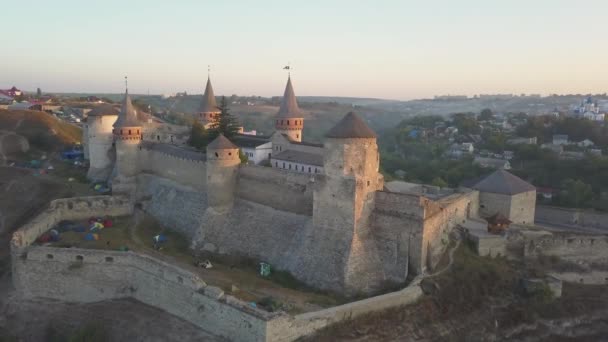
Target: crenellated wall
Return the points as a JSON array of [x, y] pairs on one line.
[[286, 191]]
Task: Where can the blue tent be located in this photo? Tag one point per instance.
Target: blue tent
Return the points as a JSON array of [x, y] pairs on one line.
[[160, 238], [73, 154]]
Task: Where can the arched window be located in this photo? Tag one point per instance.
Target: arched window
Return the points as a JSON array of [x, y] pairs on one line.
[[309, 169], [283, 165], [288, 122], [276, 164], [290, 166], [129, 132]]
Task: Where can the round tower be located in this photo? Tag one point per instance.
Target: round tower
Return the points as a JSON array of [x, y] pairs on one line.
[[208, 110], [222, 167], [99, 140], [351, 163], [289, 120], [127, 137]]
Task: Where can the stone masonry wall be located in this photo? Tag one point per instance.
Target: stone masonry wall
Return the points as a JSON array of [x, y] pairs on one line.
[[569, 246], [81, 275], [397, 226], [568, 216], [191, 173], [77, 275], [286, 191], [71, 209], [522, 207], [454, 210], [175, 206]]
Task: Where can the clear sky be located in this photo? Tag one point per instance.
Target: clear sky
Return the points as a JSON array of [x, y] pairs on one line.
[[398, 49]]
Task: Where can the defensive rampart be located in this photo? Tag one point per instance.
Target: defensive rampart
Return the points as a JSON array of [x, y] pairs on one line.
[[574, 217], [286, 191], [175, 206], [182, 166], [82, 275]]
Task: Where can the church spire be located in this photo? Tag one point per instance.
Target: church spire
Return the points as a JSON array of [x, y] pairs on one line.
[[208, 104], [128, 115], [289, 105]]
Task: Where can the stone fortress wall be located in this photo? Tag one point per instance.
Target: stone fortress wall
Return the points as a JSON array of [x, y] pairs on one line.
[[272, 221], [82, 275], [572, 217], [286, 191], [187, 169]]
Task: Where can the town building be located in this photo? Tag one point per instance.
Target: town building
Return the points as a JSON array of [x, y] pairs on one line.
[[494, 163], [560, 139], [506, 194]]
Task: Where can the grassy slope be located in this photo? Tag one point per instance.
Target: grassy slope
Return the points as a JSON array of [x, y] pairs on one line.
[[41, 129], [477, 300]]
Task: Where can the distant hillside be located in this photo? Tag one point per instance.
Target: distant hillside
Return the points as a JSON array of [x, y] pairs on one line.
[[42, 130]]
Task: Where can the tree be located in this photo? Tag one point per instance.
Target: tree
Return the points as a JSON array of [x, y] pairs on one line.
[[38, 93], [486, 115], [243, 157], [438, 181], [575, 193], [199, 136], [466, 123], [224, 123]]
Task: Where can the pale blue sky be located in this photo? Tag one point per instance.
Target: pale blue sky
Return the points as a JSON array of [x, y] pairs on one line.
[[388, 49]]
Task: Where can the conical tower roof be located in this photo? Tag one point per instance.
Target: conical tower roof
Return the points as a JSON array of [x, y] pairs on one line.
[[289, 106], [128, 115], [208, 104], [221, 143], [503, 182], [351, 126]]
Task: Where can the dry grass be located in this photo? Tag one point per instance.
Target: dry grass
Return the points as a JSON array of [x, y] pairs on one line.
[[478, 299], [42, 130]]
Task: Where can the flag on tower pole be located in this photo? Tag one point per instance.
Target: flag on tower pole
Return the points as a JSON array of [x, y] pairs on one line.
[[287, 67]]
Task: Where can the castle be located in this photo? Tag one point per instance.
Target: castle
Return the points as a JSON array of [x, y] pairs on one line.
[[320, 211]]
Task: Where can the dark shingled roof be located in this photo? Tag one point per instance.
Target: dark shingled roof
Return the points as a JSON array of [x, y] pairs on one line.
[[351, 126], [208, 103], [179, 152], [300, 157], [221, 143], [128, 114], [244, 140], [305, 143], [503, 182], [104, 109], [289, 106]]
